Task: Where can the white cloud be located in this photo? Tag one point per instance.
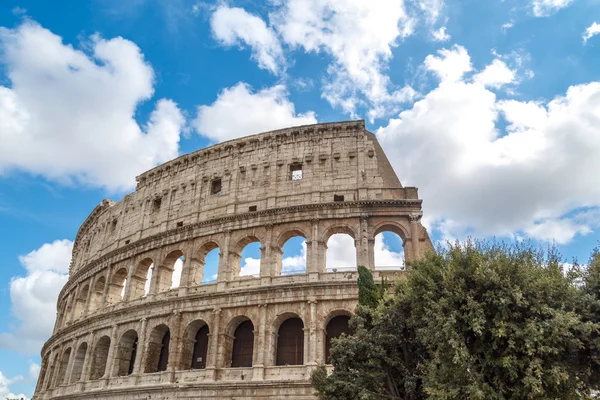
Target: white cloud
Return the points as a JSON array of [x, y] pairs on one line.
[[359, 36], [254, 112], [480, 179], [5, 392], [495, 75], [295, 264], [176, 278], [545, 8], [69, 116], [441, 35], [506, 26], [251, 267], [235, 26], [592, 30], [385, 256], [34, 296], [341, 252]]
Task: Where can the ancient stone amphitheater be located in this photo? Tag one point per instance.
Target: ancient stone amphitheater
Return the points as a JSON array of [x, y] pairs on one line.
[[240, 337]]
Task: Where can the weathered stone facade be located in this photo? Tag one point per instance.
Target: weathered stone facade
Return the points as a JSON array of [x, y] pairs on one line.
[[111, 340]]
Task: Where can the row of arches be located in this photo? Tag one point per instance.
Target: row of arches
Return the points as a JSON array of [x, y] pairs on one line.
[[129, 282], [238, 350]]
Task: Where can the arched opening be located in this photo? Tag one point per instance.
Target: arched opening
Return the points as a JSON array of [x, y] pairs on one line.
[[141, 279], [290, 342], [80, 301], [97, 294], [100, 358], [243, 345], [78, 362], [42, 376], [249, 263], [205, 266], [195, 348], [157, 356], [293, 257], [341, 253], [52, 371], [388, 251], [62, 368], [126, 353], [116, 289], [335, 328], [169, 273]]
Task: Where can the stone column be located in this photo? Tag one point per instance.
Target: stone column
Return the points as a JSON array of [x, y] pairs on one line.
[[312, 358], [71, 364], [188, 270], [213, 362], [175, 347], [114, 345], [129, 280], [314, 260], [259, 366], [87, 364], [224, 272], [362, 244], [414, 233], [140, 354], [267, 262], [49, 371], [88, 299], [56, 371], [157, 271], [74, 303]]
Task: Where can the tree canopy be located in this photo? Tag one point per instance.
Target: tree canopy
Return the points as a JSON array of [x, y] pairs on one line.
[[477, 320]]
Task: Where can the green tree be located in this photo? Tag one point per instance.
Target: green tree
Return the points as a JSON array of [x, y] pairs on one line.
[[475, 321]]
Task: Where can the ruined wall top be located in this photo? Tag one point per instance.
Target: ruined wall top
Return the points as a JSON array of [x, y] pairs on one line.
[[293, 167]]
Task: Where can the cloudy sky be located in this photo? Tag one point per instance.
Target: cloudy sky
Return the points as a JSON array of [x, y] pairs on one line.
[[491, 108]]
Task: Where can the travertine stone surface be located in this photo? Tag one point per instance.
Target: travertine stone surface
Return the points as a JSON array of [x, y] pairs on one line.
[[174, 212]]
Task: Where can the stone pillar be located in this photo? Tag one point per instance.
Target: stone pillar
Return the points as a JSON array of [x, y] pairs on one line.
[[140, 354], [188, 271], [56, 372], [267, 261], [312, 355], [74, 303], [88, 299], [363, 245], [71, 364], [414, 233], [49, 371], [213, 362], [175, 347], [114, 345], [314, 260], [157, 271], [224, 272], [128, 285], [259, 366], [87, 363]]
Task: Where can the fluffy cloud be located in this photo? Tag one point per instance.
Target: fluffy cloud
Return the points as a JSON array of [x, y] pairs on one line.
[[34, 296], [359, 36], [254, 112], [295, 264], [441, 35], [592, 30], [545, 8], [341, 252], [235, 26], [385, 256], [529, 177], [69, 115], [250, 266], [5, 392], [495, 75]]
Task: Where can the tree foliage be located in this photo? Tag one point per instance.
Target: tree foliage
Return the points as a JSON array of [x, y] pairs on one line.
[[475, 321]]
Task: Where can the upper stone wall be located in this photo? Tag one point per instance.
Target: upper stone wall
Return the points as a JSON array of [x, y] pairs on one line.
[[254, 172]]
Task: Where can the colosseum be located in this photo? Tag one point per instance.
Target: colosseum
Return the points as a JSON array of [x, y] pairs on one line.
[[124, 333]]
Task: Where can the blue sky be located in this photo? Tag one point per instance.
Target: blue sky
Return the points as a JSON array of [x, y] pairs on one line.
[[491, 108]]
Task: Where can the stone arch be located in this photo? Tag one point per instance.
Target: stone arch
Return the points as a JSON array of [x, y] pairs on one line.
[[195, 345], [288, 334], [392, 226], [166, 274], [157, 349], [336, 238], [97, 293], [78, 362], [239, 342], [80, 301], [280, 258], [116, 288], [126, 353], [198, 263], [42, 376], [100, 358], [62, 367], [236, 257], [52, 371], [141, 278]]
